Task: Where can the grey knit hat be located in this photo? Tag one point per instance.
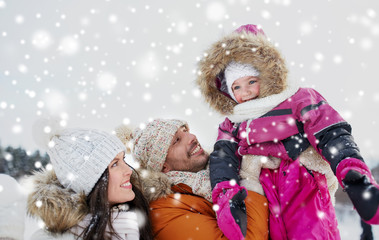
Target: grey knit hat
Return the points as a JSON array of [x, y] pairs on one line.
[[79, 156], [151, 143]]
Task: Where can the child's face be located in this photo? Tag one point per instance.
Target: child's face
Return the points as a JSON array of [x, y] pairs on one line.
[[246, 88]]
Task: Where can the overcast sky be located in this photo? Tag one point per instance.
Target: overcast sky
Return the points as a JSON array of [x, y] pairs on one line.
[[102, 63]]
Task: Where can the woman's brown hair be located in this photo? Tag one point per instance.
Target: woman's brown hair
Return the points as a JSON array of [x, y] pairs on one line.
[[99, 208]]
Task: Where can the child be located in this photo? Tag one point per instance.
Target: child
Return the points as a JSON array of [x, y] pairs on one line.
[[244, 77]]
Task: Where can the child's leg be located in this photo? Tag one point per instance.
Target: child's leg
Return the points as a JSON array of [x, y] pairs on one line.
[[356, 179]]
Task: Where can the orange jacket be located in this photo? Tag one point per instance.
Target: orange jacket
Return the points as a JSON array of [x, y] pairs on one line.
[[183, 215]]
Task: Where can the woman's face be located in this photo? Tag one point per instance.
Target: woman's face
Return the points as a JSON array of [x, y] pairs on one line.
[[119, 185]]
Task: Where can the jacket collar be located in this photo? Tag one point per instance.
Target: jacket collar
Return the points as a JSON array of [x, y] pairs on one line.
[[257, 107]]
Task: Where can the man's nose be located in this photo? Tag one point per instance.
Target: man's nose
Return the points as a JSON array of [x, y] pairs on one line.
[[191, 137]]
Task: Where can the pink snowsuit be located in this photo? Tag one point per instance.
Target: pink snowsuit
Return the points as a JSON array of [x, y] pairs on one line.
[[299, 201], [282, 123]]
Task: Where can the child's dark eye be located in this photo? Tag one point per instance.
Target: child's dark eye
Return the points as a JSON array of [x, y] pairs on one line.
[[252, 82], [236, 88], [114, 164]]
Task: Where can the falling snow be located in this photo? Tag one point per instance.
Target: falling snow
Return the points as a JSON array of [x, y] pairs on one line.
[[109, 62]]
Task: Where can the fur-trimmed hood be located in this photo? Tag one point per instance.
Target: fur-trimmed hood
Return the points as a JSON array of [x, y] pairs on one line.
[[244, 47], [60, 208]]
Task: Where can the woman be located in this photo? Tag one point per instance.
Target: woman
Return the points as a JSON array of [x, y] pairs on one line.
[[92, 193]]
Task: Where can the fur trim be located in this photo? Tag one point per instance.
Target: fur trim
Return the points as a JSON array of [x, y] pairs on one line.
[[58, 207], [155, 184], [244, 48], [312, 160], [125, 134], [251, 169]]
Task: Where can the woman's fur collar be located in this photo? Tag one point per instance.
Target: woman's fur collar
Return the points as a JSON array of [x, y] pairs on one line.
[[244, 48], [58, 207]]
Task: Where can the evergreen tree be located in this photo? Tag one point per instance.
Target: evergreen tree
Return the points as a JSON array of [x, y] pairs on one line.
[[17, 163]]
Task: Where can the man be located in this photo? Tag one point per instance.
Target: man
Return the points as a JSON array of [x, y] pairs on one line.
[[174, 167]]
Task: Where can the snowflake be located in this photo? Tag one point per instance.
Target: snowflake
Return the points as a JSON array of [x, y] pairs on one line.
[[320, 214], [69, 45], [232, 182], [106, 81], [366, 195], [38, 164], [264, 159], [215, 11], [216, 207], [42, 39], [177, 196], [188, 112], [39, 203], [266, 14]]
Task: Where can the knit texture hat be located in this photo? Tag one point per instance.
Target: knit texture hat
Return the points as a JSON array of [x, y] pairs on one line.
[[151, 143], [234, 71], [79, 156], [12, 208]]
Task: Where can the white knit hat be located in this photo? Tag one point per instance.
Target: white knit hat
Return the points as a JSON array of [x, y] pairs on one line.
[[79, 156], [12, 208], [151, 143], [234, 71]]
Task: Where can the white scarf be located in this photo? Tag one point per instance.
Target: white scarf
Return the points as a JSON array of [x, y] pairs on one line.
[[257, 107], [125, 224]]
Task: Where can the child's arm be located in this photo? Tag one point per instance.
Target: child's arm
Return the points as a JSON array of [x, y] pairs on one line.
[[331, 136], [326, 130], [224, 162], [228, 196]]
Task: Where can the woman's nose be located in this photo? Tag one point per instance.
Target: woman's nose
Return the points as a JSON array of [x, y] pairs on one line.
[[127, 170]]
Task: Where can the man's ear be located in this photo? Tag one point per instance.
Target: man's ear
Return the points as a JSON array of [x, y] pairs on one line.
[[166, 168]]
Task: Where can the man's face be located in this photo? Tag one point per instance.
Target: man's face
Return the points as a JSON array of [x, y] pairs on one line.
[[185, 153]]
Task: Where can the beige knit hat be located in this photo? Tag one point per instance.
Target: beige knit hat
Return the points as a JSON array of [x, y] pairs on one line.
[[151, 143]]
